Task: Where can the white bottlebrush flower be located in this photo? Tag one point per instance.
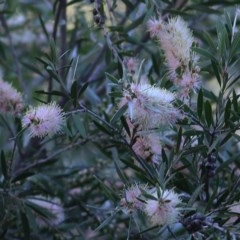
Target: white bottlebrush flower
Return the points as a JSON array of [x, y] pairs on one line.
[[10, 99], [164, 210], [148, 147], [149, 106], [43, 120], [53, 206], [176, 41]]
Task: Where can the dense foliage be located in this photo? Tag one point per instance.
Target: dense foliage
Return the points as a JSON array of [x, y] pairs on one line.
[[119, 119]]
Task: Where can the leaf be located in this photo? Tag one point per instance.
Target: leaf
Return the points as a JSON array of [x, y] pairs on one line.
[[208, 113], [53, 51], [194, 195], [106, 221], [56, 93], [235, 45], [204, 53], [118, 169], [216, 71], [32, 68], [200, 103], [21, 176], [82, 89], [4, 165], [110, 194], [207, 37], [102, 128], [43, 27], [125, 125], [179, 139], [80, 125], [118, 114], [25, 224], [223, 40], [74, 93], [235, 101], [227, 112]]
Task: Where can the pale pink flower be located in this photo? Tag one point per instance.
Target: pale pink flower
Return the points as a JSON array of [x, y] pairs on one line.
[[164, 210], [10, 99], [132, 65], [43, 120]]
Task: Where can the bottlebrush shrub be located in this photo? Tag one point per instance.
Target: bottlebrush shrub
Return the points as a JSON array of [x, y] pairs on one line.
[[125, 125]]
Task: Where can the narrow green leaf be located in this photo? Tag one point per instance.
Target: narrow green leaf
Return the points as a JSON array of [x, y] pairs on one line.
[[118, 169], [42, 22], [223, 40], [125, 125], [209, 40], [194, 195], [106, 221], [74, 93], [25, 224], [32, 68], [216, 71], [56, 93], [204, 53], [227, 112], [164, 156], [179, 139], [80, 125], [110, 194], [82, 89], [4, 165], [235, 101], [208, 113], [53, 51], [235, 46], [200, 103], [22, 176], [118, 114], [102, 128]]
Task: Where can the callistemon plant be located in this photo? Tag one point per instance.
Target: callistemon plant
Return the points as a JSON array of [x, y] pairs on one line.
[[119, 120]]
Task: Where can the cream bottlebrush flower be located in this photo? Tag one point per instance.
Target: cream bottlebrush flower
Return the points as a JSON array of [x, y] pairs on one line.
[[131, 195], [43, 120], [148, 147], [149, 106], [176, 40], [163, 210], [53, 206], [10, 99]]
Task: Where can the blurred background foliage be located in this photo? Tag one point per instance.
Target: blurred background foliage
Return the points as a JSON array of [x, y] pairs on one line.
[[70, 52]]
